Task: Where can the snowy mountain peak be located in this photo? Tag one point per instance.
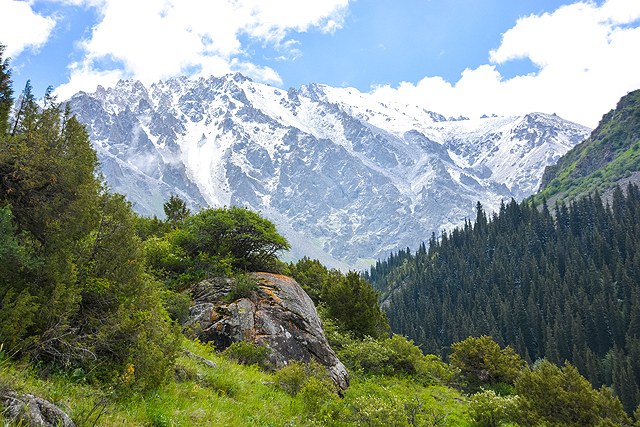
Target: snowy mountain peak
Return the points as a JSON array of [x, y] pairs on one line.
[[347, 178]]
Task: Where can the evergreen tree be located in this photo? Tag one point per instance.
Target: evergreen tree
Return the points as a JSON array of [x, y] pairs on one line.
[[176, 210], [74, 288], [6, 92], [354, 303], [563, 288]]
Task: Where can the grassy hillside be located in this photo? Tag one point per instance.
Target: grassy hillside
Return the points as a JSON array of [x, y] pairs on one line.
[[607, 156], [233, 394]]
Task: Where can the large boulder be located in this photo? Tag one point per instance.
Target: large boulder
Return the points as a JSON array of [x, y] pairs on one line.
[[279, 315], [29, 410]]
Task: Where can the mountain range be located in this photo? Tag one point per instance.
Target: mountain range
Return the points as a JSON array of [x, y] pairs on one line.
[[346, 178]]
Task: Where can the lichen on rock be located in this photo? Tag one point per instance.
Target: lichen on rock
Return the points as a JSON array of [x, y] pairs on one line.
[[278, 315], [29, 410]]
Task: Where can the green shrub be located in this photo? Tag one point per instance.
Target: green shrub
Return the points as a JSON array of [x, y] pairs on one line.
[[561, 396], [242, 287], [436, 368], [177, 305], [483, 362], [317, 394], [377, 411], [369, 356], [248, 353], [487, 409], [394, 356], [294, 377]]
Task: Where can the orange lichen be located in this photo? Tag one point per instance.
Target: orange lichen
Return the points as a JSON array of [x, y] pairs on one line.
[[271, 294]]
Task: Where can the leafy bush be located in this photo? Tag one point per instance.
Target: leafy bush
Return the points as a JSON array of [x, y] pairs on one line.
[[380, 402], [394, 356], [248, 353], [308, 380], [317, 393], [177, 305], [378, 411], [482, 361], [487, 409], [369, 355], [561, 396]]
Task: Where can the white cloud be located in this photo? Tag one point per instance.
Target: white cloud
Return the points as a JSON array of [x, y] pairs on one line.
[[587, 57], [87, 79], [21, 28], [157, 39]]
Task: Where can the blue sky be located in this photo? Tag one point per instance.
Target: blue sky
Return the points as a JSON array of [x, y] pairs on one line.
[[455, 57]]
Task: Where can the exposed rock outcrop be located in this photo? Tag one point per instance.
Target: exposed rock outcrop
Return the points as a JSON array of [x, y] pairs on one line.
[[29, 410], [278, 315]]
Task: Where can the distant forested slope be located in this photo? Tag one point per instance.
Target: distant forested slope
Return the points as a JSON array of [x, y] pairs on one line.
[[563, 288]]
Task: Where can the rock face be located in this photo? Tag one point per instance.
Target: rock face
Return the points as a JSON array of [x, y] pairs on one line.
[[345, 177], [278, 315], [30, 410]]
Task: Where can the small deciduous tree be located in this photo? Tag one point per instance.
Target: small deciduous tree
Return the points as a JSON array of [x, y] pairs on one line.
[[247, 240]]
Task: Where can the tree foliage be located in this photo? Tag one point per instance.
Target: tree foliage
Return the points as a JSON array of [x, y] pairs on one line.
[[483, 362], [561, 396], [176, 210], [248, 241], [6, 92], [74, 288], [349, 299], [211, 242], [353, 301]]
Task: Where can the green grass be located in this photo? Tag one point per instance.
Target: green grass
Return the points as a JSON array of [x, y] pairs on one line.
[[232, 395]]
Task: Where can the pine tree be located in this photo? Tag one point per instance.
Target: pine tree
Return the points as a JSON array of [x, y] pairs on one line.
[[176, 210], [6, 92]]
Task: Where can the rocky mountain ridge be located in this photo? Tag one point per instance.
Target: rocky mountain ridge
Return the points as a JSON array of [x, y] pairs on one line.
[[346, 178]]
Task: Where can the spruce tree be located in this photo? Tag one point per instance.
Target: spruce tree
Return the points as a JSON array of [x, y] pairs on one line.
[[6, 92]]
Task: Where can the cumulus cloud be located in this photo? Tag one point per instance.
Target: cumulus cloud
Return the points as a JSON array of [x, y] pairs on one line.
[[587, 56], [21, 28], [85, 78], [151, 40]]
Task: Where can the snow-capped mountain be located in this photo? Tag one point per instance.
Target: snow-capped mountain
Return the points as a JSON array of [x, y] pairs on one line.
[[345, 177]]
